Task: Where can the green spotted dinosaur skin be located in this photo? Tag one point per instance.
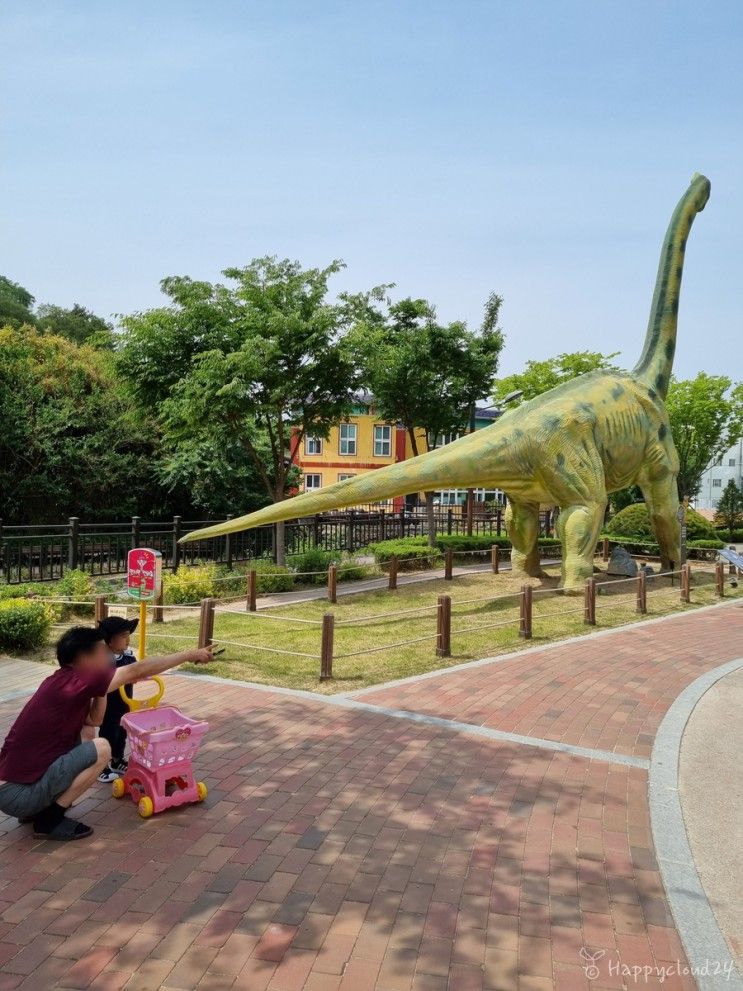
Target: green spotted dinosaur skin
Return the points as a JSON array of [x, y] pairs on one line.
[[569, 447]]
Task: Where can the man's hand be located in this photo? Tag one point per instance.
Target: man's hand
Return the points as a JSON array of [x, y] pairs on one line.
[[201, 656]]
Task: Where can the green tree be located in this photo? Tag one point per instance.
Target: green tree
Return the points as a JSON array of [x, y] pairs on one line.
[[427, 375], [706, 416], [243, 369], [16, 304], [541, 376], [72, 441], [77, 324], [730, 506]]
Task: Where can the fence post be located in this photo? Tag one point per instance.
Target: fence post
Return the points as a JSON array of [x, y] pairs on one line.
[[176, 545], [642, 593], [448, 564], [72, 545], [498, 521], [382, 525], [250, 605], [443, 627], [332, 584], [157, 611], [719, 579], [392, 582], [449, 517], [326, 647], [349, 533], [605, 549], [526, 608], [101, 608], [228, 547], [495, 558], [686, 583], [136, 531], [589, 611], [206, 622]]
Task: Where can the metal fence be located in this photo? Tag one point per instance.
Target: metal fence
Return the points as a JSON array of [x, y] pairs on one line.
[[45, 552]]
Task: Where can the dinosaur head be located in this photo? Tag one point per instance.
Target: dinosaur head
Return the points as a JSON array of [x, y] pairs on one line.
[[701, 188]]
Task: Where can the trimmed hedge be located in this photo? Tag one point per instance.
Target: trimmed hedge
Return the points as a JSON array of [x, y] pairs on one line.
[[413, 553], [24, 624], [633, 523]]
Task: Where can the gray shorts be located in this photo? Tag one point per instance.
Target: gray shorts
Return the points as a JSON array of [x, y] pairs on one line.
[[26, 801]]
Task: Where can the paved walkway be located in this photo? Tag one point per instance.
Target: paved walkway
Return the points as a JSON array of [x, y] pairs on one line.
[[447, 834]]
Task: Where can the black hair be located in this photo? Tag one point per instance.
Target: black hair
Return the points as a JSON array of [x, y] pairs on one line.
[[112, 625], [76, 641]]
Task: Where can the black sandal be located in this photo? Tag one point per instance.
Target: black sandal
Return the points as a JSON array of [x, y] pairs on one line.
[[66, 830]]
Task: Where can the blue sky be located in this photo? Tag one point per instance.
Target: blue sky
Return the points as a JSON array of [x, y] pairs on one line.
[[536, 149]]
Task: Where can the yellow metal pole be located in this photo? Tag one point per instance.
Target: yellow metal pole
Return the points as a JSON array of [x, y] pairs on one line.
[[142, 629]]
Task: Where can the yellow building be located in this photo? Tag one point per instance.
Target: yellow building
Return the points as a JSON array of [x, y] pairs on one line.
[[363, 443]]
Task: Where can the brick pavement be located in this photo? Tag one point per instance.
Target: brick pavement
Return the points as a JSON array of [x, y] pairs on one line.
[[344, 850]]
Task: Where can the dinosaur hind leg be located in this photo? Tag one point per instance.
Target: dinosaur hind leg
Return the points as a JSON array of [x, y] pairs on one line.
[[522, 527], [661, 498], [579, 526]]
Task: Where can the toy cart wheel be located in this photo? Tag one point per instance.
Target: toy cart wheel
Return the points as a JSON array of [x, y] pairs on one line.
[[118, 788], [202, 790], [145, 807]]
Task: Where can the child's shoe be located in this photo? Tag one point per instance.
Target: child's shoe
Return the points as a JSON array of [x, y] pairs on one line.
[[109, 773]]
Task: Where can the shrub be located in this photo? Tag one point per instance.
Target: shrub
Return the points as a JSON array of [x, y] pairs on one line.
[[483, 541], [633, 522], [312, 560], [352, 570], [413, 553], [714, 545], [25, 590], [189, 585], [74, 584], [24, 624], [271, 577]]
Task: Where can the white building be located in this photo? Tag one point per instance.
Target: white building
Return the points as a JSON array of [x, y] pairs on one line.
[[716, 477]]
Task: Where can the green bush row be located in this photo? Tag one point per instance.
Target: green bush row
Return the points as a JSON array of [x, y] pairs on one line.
[[633, 522]]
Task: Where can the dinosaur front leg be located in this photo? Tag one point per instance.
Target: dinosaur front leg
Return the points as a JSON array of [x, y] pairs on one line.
[[522, 527], [661, 498], [579, 526]]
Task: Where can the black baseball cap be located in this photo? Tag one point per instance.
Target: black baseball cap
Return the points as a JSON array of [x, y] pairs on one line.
[[112, 625]]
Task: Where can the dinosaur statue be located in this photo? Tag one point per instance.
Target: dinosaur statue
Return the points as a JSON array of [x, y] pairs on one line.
[[569, 447]]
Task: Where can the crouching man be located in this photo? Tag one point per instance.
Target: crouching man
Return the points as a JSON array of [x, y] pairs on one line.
[[44, 766]]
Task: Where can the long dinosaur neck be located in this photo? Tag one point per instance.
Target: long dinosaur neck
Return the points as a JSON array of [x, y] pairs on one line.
[[656, 360]]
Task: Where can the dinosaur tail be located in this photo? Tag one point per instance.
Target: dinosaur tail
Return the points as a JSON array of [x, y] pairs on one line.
[[656, 360], [458, 465]]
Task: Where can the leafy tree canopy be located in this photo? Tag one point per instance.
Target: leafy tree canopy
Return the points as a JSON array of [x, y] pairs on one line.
[[76, 324], [706, 416], [730, 506], [540, 376], [16, 304]]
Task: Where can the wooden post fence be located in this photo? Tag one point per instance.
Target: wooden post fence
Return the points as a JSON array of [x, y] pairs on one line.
[[495, 558], [686, 583], [206, 622], [443, 627], [176, 545], [326, 646], [526, 612], [73, 541], [448, 564], [101, 608], [157, 611], [250, 605], [642, 593], [392, 578], [719, 579], [589, 600], [332, 584], [605, 549]]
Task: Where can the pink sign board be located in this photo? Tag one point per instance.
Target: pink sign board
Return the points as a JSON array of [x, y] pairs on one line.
[[144, 573]]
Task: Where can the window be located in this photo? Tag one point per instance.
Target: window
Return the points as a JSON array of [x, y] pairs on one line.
[[312, 482], [382, 441], [312, 445], [344, 475], [347, 441], [716, 483], [443, 439], [731, 462]]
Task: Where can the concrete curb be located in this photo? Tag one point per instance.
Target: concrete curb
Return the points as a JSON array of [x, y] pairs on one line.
[[703, 941]]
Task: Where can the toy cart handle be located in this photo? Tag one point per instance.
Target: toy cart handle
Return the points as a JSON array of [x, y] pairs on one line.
[[150, 702]]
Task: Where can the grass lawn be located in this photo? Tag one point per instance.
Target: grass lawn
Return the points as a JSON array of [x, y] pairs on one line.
[[555, 617]]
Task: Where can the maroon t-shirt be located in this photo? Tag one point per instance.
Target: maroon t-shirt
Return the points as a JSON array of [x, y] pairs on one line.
[[49, 724]]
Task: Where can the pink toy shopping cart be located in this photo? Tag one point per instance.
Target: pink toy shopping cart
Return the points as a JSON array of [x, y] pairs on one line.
[[163, 743]]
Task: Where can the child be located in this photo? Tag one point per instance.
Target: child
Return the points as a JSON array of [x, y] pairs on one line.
[[116, 632]]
